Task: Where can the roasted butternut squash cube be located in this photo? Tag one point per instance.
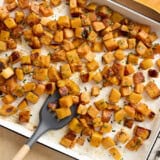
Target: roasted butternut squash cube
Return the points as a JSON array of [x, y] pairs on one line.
[[72, 57], [120, 115], [7, 110], [91, 6], [133, 59], [97, 47], [126, 81], [119, 55], [146, 63], [68, 33], [96, 139], [144, 133], [92, 112], [152, 90], [76, 22], [125, 91], [27, 68], [98, 26], [131, 43], [130, 111], [82, 109], [24, 116], [134, 144], [45, 9], [18, 91], [50, 88], [8, 98], [7, 72], [101, 104], [31, 97], [19, 74], [52, 25], [75, 125], [114, 96], [93, 65], [143, 109], [40, 89], [53, 74], [107, 36], [129, 69], [64, 22], [30, 86], [65, 71], [4, 35], [92, 36], [122, 137], [139, 88], [35, 42], [62, 112], [134, 98], [3, 46], [106, 128], [108, 142], [66, 101], [26, 60], [115, 153], [19, 16], [84, 97], [111, 44], [123, 44], [72, 87], [22, 105], [40, 74], [38, 29], [55, 2], [58, 37], [97, 77], [108, 57], [141, 48], [72, 3], [10, 23], [95, 91]]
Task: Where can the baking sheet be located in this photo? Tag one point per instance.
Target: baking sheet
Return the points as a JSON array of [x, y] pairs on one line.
[[85, 152]]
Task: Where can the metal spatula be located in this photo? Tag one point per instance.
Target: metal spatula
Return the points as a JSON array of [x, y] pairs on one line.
[[48, 121]]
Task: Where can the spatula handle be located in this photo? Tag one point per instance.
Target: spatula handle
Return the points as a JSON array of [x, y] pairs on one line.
[[22, 152]]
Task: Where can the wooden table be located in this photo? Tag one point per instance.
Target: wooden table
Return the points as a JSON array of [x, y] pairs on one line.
[[11, 142]]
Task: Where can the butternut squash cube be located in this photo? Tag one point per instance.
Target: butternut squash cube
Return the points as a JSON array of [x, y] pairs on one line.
[[76, 22], [10, 23], [152, 90], [8, 98], [130, 111], [146, 63], [92, 111], [101, 104], [111, 44], [24, 116], [63, 112], [75, 125], [22, 105], [120, 115], [31, 97], [40, 89], [96, 139], [108, 142], [65, 71], [7, 110], [134, 98], [30, 86], [115, 153], [64, 22], [7, 72], [92, 66], [121, 137], [106, 128], [66, 101], [3, 46], [19, 74], [114, 96], [98, 26]]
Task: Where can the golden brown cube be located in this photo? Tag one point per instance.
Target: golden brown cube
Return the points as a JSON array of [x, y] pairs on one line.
[[96, 139], [115, 153], [108, 57], [130, 111], [22, 105], [58, 37], [66, 101], [76, 22], [7, 72], [131, 43], [93, 65], [50, 88], [101, 104], [4, 35], [126, 81], [10, 23], [108, 142], [53, 74], [114, 96], [98, 26], [65, 71], [31, 97], [40, 89], [30, 86], [64, 22], [134, 98], [106, 128], [75, 125], [38, 29], [152, 90], [24, 116], [139, 88], [7, 110], [111, 44], [40, 74], [146, 63], [129, 69], [133, 59], [125, 91], [141, 48], [19, 16], [8, 98], [82, 109], [3, 46], [63, 112], [55, 2], [95, 91], [120, 115], [92, 111], [121, 137], [84, 97], [123, 44]]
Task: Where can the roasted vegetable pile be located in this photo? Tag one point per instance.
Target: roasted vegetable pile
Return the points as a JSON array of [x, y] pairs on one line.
[[126, 51]]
